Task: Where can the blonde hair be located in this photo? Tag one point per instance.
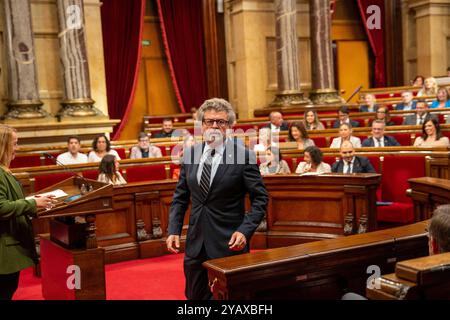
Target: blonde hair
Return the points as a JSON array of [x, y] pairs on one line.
[[6, 146]]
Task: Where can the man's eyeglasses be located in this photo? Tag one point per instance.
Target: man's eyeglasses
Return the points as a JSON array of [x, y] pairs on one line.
[[220, 122]]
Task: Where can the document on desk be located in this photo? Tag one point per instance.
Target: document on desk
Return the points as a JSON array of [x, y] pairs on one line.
[[58, 193]]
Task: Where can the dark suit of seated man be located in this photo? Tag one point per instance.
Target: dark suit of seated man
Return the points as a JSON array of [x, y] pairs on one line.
[[378, 138], [215, 177], [351, 163], [438, 239], [343, 117]]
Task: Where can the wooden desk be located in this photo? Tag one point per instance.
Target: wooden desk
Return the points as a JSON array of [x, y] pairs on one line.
[[309, 208], [318, 270]]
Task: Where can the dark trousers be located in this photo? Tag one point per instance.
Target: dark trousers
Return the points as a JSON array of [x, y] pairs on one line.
[[197, 287], [8, 285]]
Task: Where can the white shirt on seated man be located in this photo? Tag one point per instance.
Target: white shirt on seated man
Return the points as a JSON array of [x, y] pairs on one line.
[[72, 156]]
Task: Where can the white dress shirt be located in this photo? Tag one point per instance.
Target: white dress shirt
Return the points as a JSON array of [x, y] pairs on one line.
[[93, 157], [380, 144], [67, 158]]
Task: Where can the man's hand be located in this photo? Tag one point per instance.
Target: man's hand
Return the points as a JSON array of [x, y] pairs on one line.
[[237, 241], [169, 242]]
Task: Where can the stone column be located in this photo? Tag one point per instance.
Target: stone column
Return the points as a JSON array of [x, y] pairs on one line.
[[321, 54], [77, 101], [289, 93], [23, 93]]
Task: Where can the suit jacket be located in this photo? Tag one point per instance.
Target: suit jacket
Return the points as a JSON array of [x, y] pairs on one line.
[[354, 123], [17, 247], [388, 142], [411, 120], [162, 134], [361, 165], [284, 126], [215, 218], [154, 152], [401, 106]]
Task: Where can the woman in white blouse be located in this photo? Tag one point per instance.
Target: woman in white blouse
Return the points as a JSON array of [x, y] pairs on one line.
[[313, 162], [345, 134], [109, 171], [101, 146], [431, 136]]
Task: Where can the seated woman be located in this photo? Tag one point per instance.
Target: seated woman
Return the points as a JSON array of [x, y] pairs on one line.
[[101, 146], [431, 135], [345, 133], [383, 114], [430, 88], [370, 105], [273, 163], [442, 99], [418, 81], [311, 121], [313, 162], [109, 171], [297, 133]]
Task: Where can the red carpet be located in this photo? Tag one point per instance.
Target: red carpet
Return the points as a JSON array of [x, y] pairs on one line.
[[159, 278]]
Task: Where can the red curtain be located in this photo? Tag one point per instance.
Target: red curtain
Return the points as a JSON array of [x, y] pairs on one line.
[[122, 25], [182, 30], [375, 35]]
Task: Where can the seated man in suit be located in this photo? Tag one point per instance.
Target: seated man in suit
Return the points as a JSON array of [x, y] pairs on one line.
[[276, 122], [420, 116], [343, 117], [408, 102], [167, 129], [350, 163], [378, 138]]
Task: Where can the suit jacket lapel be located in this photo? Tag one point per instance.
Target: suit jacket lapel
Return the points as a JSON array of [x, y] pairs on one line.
[[223, 167]]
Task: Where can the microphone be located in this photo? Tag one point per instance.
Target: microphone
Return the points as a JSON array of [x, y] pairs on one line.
[[79, 179], [353, 94]]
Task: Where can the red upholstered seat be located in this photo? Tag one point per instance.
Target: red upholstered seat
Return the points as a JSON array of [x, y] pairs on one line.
[[44, 181], [320, 142], [441, 118], [22, 161], [90, 174], [394, 183], [403, 138], [174, 168], [121, 152], [146, 173], [329, 160], [361, 122]]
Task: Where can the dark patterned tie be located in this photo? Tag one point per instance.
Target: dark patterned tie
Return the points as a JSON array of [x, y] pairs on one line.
[[206, 173], [349, 167]]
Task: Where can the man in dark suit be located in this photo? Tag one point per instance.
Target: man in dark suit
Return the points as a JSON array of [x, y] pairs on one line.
[[167, 129], [370, 105], [276, 122], [351, 163], [408, 102], [421, 115], [343, 117], [378, 138], [215, 176]]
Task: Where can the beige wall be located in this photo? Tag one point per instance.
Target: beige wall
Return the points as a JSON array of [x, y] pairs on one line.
[[426, 37], [45, 26], [251, 52]]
